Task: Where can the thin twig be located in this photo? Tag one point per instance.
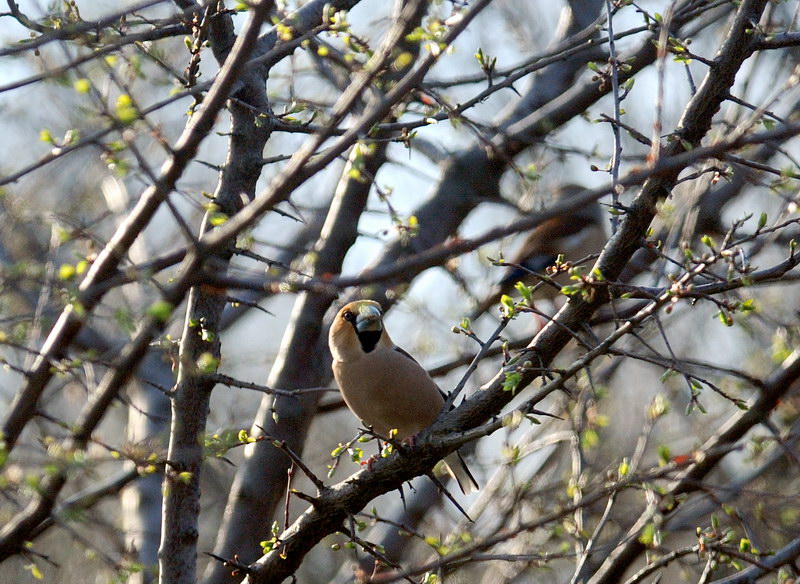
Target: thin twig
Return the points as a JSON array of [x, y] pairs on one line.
[[283, 447]]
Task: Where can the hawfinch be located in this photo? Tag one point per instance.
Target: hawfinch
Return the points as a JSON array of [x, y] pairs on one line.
[[382, 384], [576, 235]]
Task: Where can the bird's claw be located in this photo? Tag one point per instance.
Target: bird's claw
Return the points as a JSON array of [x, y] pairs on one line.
[[370, 462]]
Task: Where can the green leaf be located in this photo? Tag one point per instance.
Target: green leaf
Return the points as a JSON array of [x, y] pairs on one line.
[[531, 172], [35, 571], [667, 374], [66, 272], [160, 310], [207, 363], [508, 304], [524, 291], [513, 419], [571, 290], [511, 454], [124, 320], [512, 381], [590, 438], [648, 535], [658, 407], [747, 305], [125, 111], [82, 85], [218, 218]]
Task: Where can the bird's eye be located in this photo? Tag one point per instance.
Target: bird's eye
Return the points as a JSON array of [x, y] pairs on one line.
[[348, 316]]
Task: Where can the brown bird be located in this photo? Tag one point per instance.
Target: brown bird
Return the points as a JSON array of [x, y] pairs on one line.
[[382, 384], [575, 235]]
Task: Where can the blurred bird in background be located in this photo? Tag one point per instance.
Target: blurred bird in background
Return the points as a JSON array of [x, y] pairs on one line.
[[575, 236], [383, 385]]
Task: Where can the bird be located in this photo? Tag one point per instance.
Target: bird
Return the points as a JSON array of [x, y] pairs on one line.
[[384, 386], [575, 235]]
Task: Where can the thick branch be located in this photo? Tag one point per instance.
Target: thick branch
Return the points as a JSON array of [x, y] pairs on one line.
[[201, 331]]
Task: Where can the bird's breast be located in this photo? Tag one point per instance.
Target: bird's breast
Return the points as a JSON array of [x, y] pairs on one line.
[[386, 390]]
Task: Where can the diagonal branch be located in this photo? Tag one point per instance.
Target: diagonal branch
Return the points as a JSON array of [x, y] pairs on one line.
[[445, 435], [712, 451], [16, 532], [73, 316]]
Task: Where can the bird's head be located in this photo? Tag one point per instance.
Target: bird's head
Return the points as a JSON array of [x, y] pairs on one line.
[[357, 329]]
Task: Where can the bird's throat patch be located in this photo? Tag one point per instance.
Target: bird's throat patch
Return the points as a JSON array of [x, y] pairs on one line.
[[369, 339]]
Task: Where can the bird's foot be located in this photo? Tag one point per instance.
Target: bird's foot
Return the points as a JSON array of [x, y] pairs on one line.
[[407, 442], [370, 462]]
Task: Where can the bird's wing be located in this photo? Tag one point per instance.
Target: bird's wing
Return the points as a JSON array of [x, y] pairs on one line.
[[407, 354]]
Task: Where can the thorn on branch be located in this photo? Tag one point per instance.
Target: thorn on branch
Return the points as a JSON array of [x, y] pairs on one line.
[[381, 560], [281, 445], [169, 392], [303, 496], [240, 301], [534, 412], [449, 495], [259, 258]]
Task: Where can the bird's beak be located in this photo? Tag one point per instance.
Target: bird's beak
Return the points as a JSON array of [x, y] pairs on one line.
[[368, 319]]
